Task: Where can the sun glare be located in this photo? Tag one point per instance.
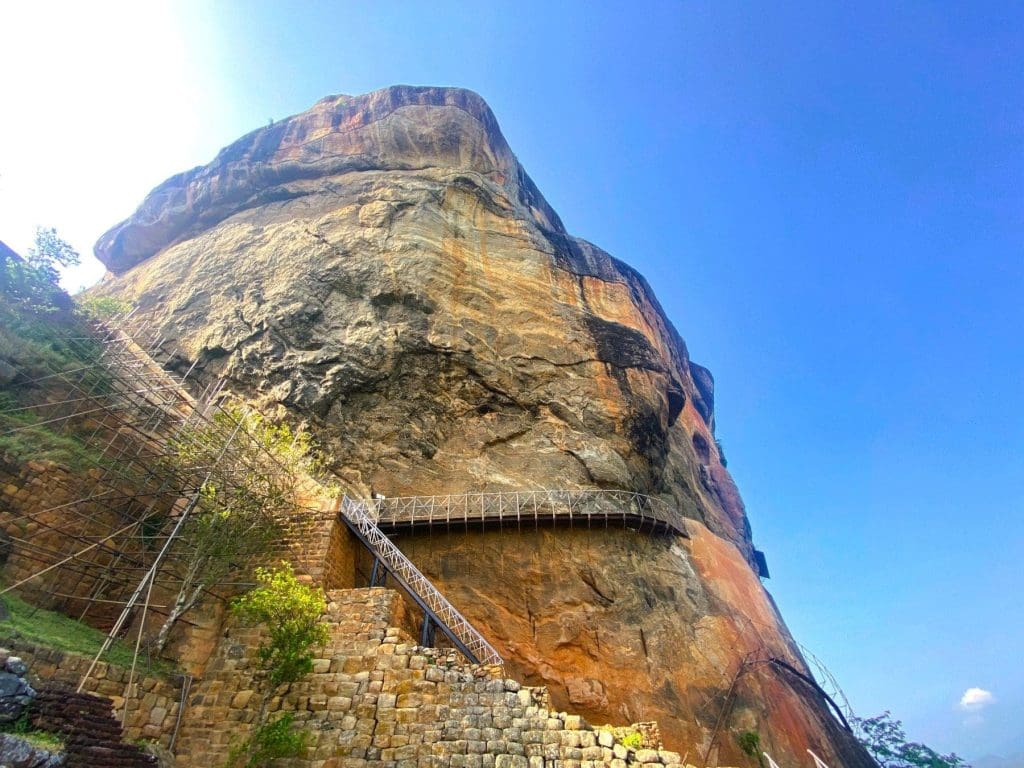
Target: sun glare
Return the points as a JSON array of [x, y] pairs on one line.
[[112, 92]]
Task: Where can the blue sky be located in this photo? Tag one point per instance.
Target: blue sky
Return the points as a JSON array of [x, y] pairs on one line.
[[826, 198]]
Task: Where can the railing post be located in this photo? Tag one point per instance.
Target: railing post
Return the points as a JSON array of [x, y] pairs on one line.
[[427, 632]]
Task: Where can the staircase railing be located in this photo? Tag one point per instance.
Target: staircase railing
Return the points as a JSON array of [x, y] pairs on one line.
[[587, 507], [357, 515]]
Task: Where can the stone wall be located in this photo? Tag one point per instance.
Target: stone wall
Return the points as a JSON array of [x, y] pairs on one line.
[[40, 512], [152, 705], [375, 699], [319, 546]]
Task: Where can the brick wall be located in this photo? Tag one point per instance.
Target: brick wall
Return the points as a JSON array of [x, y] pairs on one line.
[[37, 505]]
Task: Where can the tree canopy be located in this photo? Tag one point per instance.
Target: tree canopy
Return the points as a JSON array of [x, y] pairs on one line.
[[885, 739]]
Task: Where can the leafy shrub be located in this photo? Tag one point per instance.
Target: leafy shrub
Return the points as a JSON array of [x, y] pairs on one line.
[[269, 741], [750, 744], [633, 740], [101, 307], [291, 610], [31, 283], [241, 500]]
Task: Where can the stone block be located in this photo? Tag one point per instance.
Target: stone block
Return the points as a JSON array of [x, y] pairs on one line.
[[339, 703], [569, 739], [433, 674]]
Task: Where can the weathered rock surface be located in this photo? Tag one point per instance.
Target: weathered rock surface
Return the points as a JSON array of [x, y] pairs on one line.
[[17, 752], [16, 693], [382, 266]]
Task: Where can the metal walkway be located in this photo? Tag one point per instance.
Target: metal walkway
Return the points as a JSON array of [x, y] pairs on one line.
[[587, 508], [360, 520]]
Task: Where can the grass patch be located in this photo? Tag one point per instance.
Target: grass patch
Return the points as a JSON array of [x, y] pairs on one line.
[[39, 739], [23, 439], [55, 630], [44, 344]]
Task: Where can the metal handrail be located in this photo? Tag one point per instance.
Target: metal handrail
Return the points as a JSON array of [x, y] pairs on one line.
[[359, 515], [575, 506]]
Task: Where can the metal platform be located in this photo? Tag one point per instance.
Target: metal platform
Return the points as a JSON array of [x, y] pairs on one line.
[[593, 508]]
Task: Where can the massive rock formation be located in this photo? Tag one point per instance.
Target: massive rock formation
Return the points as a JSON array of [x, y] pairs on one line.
[[382, 266]]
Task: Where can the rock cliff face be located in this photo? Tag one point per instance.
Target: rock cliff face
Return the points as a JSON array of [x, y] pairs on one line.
[[382, 266]]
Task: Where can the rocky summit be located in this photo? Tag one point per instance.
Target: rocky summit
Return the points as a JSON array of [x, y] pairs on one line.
[[382, 267]]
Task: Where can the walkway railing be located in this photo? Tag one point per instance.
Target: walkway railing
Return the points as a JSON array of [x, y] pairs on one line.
[[464, 635], [590, 508]]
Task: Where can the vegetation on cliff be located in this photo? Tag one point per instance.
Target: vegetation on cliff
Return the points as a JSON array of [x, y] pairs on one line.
[[31, 283], [44, 337]]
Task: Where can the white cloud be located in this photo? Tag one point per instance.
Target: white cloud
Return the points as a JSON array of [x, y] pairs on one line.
[[975, 699]]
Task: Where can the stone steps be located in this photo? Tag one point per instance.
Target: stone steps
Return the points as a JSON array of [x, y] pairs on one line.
[[92, 736]]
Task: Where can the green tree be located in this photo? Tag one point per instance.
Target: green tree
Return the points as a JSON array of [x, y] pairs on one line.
[[32, 283], [50, 252], [246, 494], [292, 613], [885, 739]]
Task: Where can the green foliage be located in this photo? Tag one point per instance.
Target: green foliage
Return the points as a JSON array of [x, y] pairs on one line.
[[44, 344], [633, 740], [55, 630], [750, 744], [32, 283], [49, 252], [101, 307], [47, 346], [884, 738], [243, 498], [39, 739], [23, 439], [269, 741], [291, 610]]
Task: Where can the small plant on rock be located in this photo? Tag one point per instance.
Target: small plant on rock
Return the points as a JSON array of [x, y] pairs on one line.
[[270, 741], [633, 740], [750, 744]]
